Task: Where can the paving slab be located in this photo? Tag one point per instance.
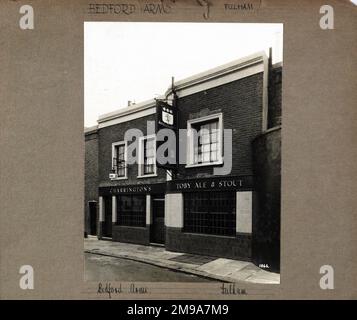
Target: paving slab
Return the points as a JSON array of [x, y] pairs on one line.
[[220, 269], [223, 267]]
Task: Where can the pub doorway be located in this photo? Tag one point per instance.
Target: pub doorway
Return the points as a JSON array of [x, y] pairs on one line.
[[158, 219], [92, 217]]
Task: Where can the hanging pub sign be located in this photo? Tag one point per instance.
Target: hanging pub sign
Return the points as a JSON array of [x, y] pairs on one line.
[[166, 118]]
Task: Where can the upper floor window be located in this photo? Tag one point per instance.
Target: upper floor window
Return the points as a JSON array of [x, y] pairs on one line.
[[119, 159], [147, 154], [205, 141]]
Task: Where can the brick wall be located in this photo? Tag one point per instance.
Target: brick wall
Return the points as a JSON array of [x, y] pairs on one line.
[[91, 173], [115, 133], [275, 86], [238, 247], [241, 103], [131, 234], [266, 220]]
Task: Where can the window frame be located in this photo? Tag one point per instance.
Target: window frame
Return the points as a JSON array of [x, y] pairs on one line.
[[119, 212], [141, 163], [208, 217], [114, 145], [190, 143]]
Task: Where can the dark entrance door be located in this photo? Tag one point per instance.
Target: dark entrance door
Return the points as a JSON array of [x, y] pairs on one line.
[[158, 219], [107, 228], [92, 218]]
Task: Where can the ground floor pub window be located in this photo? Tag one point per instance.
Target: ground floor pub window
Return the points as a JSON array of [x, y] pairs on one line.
[[210, 213], [131, 210]]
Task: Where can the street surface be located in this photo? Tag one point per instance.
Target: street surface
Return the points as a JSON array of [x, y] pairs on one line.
[[99, 267]]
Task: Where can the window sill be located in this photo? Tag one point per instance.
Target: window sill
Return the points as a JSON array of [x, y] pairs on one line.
[[217, 163], [119, 178], [132, 227], [209, 235], [148, 176]]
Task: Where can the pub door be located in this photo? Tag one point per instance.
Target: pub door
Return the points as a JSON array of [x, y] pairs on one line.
[[92, 218], [107, 228], [158, 219]]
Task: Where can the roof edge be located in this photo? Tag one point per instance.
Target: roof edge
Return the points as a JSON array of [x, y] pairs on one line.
[[92, 129], [127, 110], [230, 67], [216, 72]]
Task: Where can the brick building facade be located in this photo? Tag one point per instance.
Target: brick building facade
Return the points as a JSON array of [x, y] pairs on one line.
[[191, 209]]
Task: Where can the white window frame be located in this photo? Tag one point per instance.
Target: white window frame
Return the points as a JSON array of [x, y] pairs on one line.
[[125, 143], [190, 145], [141, 157]]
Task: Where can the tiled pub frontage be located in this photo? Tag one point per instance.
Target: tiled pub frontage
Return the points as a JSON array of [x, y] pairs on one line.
[[133, 214], [213, 216], [210, 217], [188, 208]]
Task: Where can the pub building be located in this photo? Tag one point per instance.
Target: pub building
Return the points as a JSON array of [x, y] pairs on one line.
[[185, 207]]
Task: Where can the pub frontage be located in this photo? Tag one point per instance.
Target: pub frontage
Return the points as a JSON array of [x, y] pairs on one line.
[[186, 206], [215, 216]]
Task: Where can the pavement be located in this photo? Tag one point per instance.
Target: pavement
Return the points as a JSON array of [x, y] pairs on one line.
[[220, 269]]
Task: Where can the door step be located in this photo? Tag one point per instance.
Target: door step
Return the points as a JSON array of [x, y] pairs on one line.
[[154, 244]]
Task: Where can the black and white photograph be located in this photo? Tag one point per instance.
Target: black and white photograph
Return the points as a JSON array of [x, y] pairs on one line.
[[178, 157], [182, 151]]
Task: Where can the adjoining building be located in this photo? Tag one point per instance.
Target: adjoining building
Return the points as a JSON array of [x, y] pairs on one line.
[[234, 216]]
